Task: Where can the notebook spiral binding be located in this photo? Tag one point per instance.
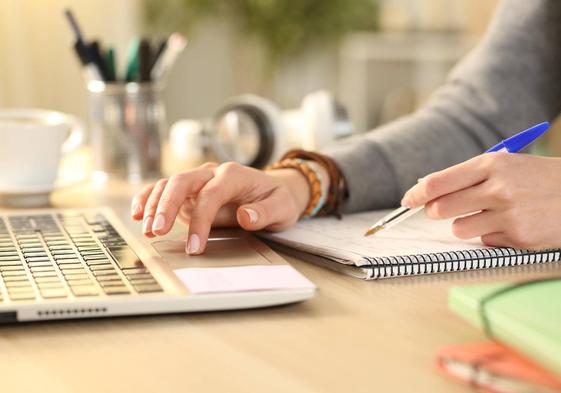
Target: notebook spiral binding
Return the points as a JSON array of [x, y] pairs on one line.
[[382, 267]]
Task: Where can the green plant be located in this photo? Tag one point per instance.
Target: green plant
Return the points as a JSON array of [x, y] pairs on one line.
[[284, 27]]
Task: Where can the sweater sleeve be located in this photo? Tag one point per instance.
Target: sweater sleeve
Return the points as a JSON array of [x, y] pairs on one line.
[[509, 82]]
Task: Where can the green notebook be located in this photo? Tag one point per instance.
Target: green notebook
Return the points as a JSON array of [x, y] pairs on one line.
[[527, 318]]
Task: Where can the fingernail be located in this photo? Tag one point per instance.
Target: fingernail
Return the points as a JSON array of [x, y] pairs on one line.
[[136, 209], [194, 244], [159, 223], [405, 202], [147, 228], [420, 180], [253, 216]]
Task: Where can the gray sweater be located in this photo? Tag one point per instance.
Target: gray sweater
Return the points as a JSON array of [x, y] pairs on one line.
[[510, 81]]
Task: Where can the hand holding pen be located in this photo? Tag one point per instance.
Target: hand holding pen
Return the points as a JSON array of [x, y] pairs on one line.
[[497, 196]]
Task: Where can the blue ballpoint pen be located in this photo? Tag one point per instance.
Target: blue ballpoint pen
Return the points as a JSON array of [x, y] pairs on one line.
[[511, 145]]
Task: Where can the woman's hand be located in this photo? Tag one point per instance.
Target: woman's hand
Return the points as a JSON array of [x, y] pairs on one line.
[[506, 199], [221, 195]]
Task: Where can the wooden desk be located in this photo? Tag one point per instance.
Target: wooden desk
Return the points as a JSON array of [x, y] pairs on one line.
[[355, 336]]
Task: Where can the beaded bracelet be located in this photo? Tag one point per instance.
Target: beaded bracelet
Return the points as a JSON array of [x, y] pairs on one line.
[[337, 192], [314, 179]]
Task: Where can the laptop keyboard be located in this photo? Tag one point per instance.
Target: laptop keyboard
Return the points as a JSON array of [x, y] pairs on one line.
[[62, 255]]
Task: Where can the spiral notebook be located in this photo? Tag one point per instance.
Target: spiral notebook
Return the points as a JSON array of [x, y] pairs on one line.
[[416, 246]]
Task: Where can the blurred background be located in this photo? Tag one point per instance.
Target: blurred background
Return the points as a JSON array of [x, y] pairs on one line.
[[381, 58], [281, 49]]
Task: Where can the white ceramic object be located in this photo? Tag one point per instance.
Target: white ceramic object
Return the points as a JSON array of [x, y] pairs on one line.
[[31, 145]]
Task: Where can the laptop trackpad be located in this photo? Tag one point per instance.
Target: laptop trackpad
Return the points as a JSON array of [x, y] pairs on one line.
[[220, 252]]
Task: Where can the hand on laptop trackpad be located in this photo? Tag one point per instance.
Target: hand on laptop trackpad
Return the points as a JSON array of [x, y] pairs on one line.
[[230, 264], [220, 252]]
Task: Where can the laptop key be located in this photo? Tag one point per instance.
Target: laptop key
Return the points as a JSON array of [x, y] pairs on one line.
[[99, 273], [27, 251], [39, 264], [29, 240], [75, 273], [58, 243], [13, 273], [60, 248], [68, 262], [21, 296], [111, 277], [11, 253], [11, 268], [18, 284], [42, 269], [22, 277], [10, 263], [84, 291], [46, 279], [63, 252], [96, 251], [73, 266], [90, 248], [53, 293], [146, 288], [85, 243], [99, 262], [79, 282], [94, 218], [96, 257], [105, 284], [29, 255], [83, 240], [54, 236], [44, 285], [143, 281], [97, 228], [10, 258], [136, 271], [77, 231], [106, 266], [126, 258], [37, 259], [20, 289], [63, 257], [122, 290], [28, 236], [44, 274], [30, 244]]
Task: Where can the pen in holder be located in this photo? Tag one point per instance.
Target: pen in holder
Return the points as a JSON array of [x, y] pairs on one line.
[[127, 123], [127, 118]]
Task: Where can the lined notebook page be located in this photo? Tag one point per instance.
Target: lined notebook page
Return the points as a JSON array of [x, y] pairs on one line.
[[343, 240]]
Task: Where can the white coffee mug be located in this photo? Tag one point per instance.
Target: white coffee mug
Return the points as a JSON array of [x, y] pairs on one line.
[[31, 145]]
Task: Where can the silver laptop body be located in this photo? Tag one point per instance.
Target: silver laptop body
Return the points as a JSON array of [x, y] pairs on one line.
[[66, 264]]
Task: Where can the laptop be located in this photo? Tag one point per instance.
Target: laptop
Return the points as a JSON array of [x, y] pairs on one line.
[[66, 264]]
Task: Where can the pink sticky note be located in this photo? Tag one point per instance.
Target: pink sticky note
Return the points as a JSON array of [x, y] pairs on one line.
[[242, 278]]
